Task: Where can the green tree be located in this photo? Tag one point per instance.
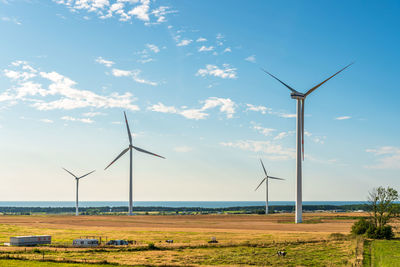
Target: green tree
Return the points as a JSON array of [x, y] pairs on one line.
[[381, 201]]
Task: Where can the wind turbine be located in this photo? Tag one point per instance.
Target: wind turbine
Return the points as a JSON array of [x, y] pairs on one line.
[[266, 185], [130, 147], [77, 188], [300, 97]]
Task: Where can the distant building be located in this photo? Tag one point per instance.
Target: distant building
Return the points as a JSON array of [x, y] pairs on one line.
[[87, 242], [32, 240]]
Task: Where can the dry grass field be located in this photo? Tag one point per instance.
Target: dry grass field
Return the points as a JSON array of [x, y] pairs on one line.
[[242, 239]]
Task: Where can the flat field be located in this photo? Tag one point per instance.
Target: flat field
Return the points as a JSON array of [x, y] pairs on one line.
[[242, 239]]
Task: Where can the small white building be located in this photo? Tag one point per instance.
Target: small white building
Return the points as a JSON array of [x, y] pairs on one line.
[[85, 242], [30, 240]]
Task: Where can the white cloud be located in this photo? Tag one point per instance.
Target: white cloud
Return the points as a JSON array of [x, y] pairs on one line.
[[343, 118], [261, 109], [134, 74], [201, 39], [32, 89], [206, 49], [286, 115], [183, 149], [265, 110], [194, 114], [121, 73], [107, 63], [160, 107], [251, 59], [153, 48], [184, 42], [281, 135], [264, 131], [92, 114], [12, 20], [227, 50], [388, 158], [46, 121], [226, 72], [124, 9], [141, 11], [272, 151], [84, 120], [225, 105]]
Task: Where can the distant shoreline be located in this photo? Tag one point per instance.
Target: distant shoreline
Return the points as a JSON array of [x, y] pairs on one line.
[[158, 210], [168, 204]]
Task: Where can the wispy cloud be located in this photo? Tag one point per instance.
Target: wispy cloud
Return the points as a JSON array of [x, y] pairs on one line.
[[92, 114], [134, 74], [251, 59], [153, 48], [183, 149], [388, 157], [273, 151], [225, 105], [206, 49], [201, 39], [11, 19], [266, 110], [184, 42], [46, 120], [263, 130], [107, 63], [261, 109], [226, 72], [227, 50], [342, 118], [84, 120]]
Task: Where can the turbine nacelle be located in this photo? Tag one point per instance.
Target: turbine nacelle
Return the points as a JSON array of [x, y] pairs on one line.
[[298, 96]]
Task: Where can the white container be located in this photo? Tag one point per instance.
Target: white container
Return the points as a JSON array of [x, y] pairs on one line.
[[85, 242], [30, 240]]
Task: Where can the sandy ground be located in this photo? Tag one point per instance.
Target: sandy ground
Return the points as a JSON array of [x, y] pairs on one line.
[[274, 223]]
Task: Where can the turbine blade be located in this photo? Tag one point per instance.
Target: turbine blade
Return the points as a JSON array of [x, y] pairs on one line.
[[318, 85], [70, 173], [129, 131], [302, 127], [87, 174], [276, 178], [262, 164], [145, 151], [260, 183], [290, 88], [120, 155]]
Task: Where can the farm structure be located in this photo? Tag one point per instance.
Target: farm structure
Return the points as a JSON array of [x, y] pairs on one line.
[[30, 240], [117, 243], [85, 242]]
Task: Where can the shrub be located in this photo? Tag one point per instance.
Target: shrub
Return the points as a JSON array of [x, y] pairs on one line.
[[361, 226], [382, 232], [151, 246]]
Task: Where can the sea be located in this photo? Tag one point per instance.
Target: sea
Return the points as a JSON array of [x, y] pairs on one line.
[[172, 204]]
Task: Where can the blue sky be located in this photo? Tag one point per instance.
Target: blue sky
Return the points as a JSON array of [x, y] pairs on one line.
[[188, 75]]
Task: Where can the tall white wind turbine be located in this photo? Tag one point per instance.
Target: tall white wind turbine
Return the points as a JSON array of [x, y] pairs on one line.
[[300, 97], [130, 147], [266, 185], [77, 189]]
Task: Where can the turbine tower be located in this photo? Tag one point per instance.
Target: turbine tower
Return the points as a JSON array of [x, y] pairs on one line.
[[77, 189], [130, 147], [266, 186], [300, 97]]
